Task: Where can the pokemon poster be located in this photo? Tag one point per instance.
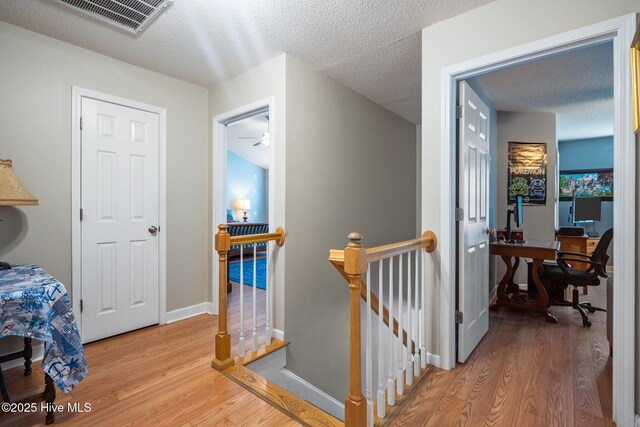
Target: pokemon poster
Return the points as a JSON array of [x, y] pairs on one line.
[[527, 170]]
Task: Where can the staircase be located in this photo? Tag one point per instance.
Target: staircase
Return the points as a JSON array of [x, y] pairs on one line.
[[400, 345], [395, 361]]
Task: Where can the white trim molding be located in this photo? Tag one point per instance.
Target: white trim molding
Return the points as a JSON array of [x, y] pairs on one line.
[[312, 394], [219, 190], [77, 94], [187, 312], [278, 334], [620, 31], [219, 162]]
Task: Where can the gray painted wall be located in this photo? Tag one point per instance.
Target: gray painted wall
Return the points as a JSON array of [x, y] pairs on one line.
[[538, 220], [350, 167], [35, 118], [581, 154]]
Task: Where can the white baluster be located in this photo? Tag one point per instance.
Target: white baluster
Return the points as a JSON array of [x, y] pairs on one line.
[[423, 314], [409, 360], [368, 362], [400, 356], [381, 355], [255, 325], [391, 392], [416, 308], [267, 294], [241, 341]]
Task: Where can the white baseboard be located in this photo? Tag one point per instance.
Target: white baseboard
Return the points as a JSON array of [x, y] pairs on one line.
[[433, 359], [186, 312], [277, 334], [272, 367], [312, 394], [492, 294]]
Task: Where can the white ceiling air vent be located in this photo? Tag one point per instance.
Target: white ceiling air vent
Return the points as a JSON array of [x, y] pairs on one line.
[[130, 15]]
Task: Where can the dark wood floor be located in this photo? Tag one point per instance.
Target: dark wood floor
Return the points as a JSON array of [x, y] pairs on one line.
[[525, 372]]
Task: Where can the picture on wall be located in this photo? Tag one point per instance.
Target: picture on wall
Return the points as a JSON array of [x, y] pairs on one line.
[[527, 170], [586, 183]]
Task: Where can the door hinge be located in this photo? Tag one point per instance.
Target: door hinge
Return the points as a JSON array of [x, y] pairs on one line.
[[459, 317], [459, 214], [81, 123], [81, 214], [81, 305], [459, 111]]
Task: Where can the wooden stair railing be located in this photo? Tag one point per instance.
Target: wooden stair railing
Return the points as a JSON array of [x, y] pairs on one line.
[[223, 242], [353, 263]]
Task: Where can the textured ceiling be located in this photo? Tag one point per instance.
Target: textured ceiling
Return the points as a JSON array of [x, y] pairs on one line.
[[577, 86], [372, 46], [241, 136]]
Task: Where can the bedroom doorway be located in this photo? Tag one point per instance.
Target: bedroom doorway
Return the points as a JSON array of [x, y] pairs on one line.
[[244, 191]]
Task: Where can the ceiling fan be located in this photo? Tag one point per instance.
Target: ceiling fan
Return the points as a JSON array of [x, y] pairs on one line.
[[262, 139]]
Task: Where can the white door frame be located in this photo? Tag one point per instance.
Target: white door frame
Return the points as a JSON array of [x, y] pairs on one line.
[[219, 184], [620, 31], [77, 94]]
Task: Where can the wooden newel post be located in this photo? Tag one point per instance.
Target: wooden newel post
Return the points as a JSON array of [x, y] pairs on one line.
[[355, 265], [222, 359]]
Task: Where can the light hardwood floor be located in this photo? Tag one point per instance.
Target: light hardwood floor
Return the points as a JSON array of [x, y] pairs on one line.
[[159, 375], [525, 372]]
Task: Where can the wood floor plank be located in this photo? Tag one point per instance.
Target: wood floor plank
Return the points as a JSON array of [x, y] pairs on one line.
[[160, 375], [290, 404], [525, 372]]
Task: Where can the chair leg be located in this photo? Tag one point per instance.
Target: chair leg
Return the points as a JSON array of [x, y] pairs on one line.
[[591, 308], [576, 304], [3, 388]]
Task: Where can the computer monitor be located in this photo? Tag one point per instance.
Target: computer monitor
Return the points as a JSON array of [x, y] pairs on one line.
[[587, 209], [518, 213], [517, 217]]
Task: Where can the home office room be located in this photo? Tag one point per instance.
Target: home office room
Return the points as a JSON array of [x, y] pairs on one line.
[[539, 137]]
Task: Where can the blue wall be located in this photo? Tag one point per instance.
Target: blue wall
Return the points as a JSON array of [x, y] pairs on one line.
[[246, 180], [594, 153]]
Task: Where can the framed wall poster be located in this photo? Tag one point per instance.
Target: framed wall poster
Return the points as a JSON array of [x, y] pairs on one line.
[[527, 173]]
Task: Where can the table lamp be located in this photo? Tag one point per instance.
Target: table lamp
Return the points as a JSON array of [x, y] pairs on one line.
[[245, 205], [12, 192]]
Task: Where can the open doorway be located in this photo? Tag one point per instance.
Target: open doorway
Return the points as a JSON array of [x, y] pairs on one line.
[[551, 147], [614, 33]]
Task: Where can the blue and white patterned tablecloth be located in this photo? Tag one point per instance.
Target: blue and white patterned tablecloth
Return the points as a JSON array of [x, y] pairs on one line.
[[35, 305]]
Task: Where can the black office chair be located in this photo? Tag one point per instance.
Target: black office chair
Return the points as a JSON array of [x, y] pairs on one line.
[[560, 276]]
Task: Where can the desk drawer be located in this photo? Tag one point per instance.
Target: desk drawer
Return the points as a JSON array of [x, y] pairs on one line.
[[591, 245]]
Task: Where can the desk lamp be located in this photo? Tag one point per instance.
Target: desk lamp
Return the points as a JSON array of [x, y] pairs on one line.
[[12, 193]]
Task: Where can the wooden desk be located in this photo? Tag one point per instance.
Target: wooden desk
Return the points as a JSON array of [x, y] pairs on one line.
[[581, 244], [509, 294]]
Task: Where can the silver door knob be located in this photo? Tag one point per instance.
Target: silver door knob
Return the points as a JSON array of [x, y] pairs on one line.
[[153, 229], [490, 231]]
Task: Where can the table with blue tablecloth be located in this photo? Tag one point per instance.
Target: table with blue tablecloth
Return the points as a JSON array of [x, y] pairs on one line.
[[34, 305]]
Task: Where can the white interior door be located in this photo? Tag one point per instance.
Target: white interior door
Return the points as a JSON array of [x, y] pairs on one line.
[[120, 208], [473, 198]]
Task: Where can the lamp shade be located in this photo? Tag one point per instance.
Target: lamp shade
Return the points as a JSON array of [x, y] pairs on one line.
[[12, 193], [246, 204]]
